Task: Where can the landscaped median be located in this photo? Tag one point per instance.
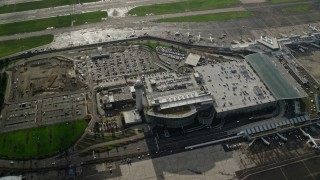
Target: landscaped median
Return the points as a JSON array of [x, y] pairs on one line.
[[297, 8], [152, 45], [284, 1], [17, 45], [25, 6], [41, 141], [3, 87], [56, 22], [209, 17], [102, 143], [184, 6]]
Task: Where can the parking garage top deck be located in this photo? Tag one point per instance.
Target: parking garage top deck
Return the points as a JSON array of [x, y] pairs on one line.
[[117, 94], [168, 81], [233, 85]]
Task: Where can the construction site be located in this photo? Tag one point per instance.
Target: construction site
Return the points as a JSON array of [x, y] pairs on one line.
[[43, 77], [310, 61]]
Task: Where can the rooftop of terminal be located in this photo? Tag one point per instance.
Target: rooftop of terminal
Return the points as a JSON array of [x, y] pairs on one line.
[[179, 98], [233, 85]]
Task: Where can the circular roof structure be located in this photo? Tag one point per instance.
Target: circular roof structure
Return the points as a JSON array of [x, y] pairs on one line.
[[138, 84]]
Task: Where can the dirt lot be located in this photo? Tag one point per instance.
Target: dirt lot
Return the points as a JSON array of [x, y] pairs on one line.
[[312, 63], [44, 77]]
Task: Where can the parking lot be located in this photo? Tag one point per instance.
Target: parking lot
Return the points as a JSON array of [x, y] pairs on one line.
[[62, 107], [171, 56], [45, 111], [130, 62], [21, 113], [118, 64]]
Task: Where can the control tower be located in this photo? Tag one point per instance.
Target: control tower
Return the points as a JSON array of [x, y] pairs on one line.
[[138, 87]]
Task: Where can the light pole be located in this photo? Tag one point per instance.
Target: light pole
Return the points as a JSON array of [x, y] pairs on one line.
[[243, 28]]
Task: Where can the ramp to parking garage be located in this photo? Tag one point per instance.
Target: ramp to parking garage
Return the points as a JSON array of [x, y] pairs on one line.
[[277, 84]]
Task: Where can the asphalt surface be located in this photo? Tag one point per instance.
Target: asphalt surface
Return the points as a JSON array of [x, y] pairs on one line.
[[294, 168], [71, 9], [266, 16]]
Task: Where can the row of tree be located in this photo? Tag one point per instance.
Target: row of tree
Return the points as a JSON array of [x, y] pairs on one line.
[[4, 63], [3, 85]]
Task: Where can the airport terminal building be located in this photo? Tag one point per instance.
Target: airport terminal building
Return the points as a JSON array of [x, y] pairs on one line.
[[216, 90]]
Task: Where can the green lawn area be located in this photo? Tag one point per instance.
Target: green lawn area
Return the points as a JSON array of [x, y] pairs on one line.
[[56, 22], [184, 6], [283, 1], [39, 5], [209, 17], [42, 141], [14, 46], [152, 45], [297, 8]]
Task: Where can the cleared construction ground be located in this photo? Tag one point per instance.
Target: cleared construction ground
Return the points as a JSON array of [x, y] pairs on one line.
[[43, 77], [311, 62]]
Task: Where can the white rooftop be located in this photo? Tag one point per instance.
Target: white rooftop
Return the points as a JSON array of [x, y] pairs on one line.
[[165, 101], [11, 178], [131, 117], [132, 90], [169, 81], [270, 42], [192, 59], [234, 85]]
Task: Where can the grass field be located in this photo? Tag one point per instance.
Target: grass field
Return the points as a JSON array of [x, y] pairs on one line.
[[39, 5], [42, 141], [152, 45], [14, 46], [283, 1], [209, 17], [184, 6], [297, 8], [56, 22]]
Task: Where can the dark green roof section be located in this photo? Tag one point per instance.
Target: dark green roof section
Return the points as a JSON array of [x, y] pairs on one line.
[[317, 101], [272, 78]]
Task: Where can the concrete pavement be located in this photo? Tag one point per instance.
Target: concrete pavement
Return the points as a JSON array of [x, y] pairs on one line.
[[71, 9], [128, 139]]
